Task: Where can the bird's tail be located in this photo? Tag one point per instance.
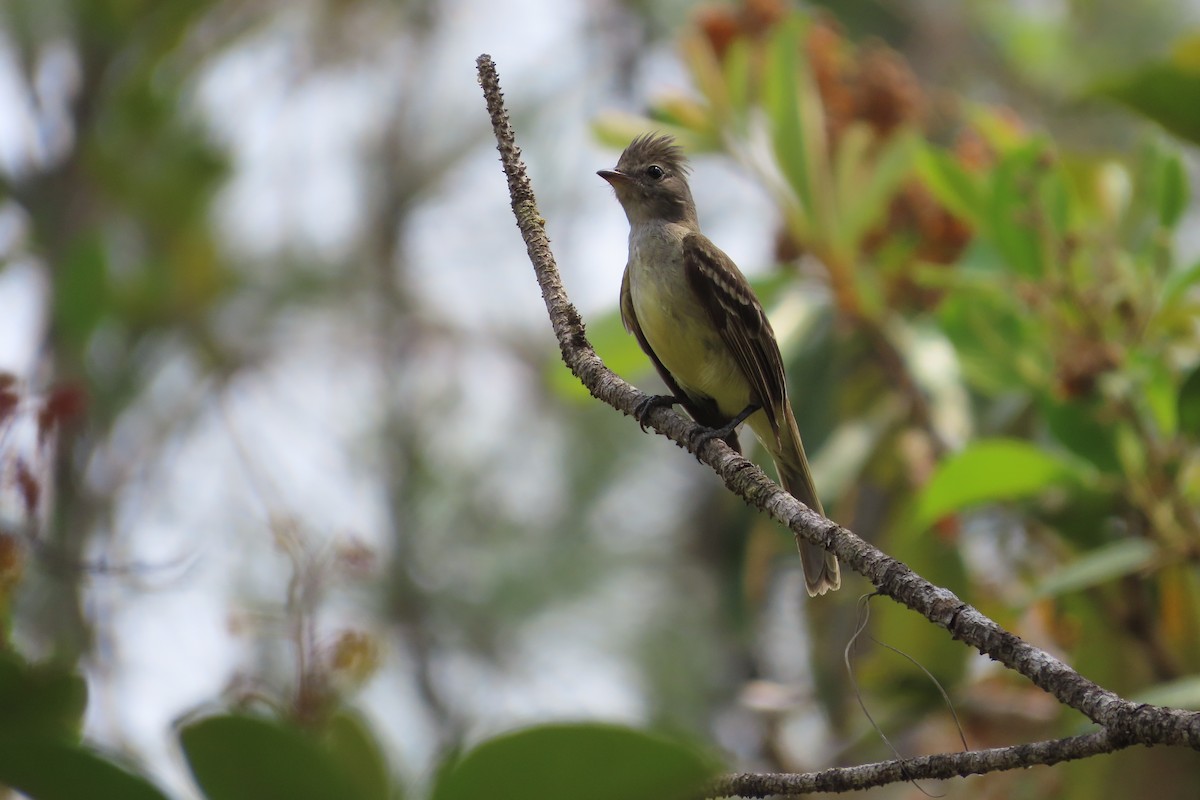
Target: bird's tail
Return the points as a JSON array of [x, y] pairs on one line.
[[821, 572]]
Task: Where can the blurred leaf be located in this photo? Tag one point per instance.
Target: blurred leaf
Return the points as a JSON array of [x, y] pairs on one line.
[[1011, 219], [1178, 282], [737, 80], [39, 701], [1055, 200], [617, 129], [1179, 609], [1076, 427], [959, 190], [1157, 398], [708, 77], [1189, 405], [238, 757], [791, 106], [684, 113], [868, 173], [1131, 448], [1098, 566], [1181, 693], [582, 762], [1172, 190], [47, 769], [81, 292], [990, 470], [348, 738], [1167, 92], [999, 345]]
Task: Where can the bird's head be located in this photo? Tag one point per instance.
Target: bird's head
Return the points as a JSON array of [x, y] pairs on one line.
[[650, 181]]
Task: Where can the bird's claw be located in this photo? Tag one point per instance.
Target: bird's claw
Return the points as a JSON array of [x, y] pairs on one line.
[[702, 436], [648, 404]]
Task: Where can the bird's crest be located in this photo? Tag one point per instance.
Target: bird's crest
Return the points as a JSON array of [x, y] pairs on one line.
[[654, 148]]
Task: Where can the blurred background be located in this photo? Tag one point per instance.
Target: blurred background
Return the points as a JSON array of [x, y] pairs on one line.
[[283, 425]]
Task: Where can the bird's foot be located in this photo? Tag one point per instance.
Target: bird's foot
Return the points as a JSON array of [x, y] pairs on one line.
[[648, 404], [705, 435]]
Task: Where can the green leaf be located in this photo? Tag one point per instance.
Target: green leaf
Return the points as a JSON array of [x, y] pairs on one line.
[[1181, 693], [349, 740], [796, 121], [1098, 566], [1177, 284], [49, 769], [81, 290], [990, 470], [1189, 405], [1167, 92], [738, 80], [39, 700], [1012, 220], [1172, 190], [582, 762], [239, 757], [954, 187], [1076, 426], [868, 177]]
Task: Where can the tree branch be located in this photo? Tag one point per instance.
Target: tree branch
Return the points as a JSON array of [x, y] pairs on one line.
[[1124, 723], [946, 765]]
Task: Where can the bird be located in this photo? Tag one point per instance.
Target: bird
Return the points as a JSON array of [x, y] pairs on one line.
[[696, 316]]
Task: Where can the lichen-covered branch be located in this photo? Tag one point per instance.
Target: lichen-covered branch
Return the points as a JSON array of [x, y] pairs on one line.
[[1123, 722]]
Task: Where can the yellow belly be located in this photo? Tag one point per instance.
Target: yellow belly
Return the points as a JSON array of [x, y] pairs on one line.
[[678, 330]]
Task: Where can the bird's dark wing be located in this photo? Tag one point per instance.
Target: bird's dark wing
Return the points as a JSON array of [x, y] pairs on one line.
[[702, 409], [741, 322]]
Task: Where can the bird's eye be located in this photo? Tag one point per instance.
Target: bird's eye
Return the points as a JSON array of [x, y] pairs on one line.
[[655, 172]]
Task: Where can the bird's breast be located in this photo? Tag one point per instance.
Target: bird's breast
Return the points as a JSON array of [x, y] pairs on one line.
[[676, 325]]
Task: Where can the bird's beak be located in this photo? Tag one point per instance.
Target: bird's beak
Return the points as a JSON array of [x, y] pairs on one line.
[[614, 177]]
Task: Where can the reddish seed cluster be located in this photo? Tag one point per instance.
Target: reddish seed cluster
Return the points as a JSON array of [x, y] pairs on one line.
[[873, 84], [20, 466]]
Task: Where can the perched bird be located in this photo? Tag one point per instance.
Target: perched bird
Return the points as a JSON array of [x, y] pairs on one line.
[[695, 315]]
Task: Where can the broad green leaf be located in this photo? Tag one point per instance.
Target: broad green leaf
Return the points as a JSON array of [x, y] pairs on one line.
[[990, 470], [1167, 92], [1189, 405], [238, 757], [1181, 693], [582, 762], [51, 769], [349, 740], [37, 700], [1101, 565]]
